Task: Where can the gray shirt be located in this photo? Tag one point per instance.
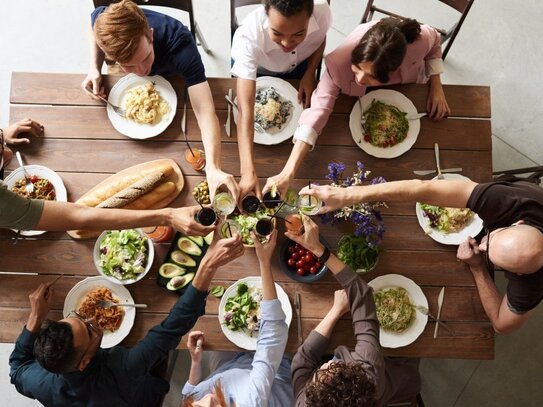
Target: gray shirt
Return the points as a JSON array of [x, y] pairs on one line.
[[17, 212]]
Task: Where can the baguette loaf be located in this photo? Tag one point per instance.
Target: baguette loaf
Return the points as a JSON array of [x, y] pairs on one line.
[[150, 199], [106, 191], [133, 192]]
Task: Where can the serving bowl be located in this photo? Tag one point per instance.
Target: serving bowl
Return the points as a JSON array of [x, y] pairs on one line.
[[284, 255]]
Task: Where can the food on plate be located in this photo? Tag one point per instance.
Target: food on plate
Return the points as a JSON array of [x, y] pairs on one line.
[[270, 110], [123, 254], [247, 222], [144, 105], [302, 261], [169, 270], [133, 192], [177, 283], [395, 311], [201, 193], [384, 125], [243, 310], [108, 319], [447, 220], [355, 252], [189, 246], [43, 188], [182, 259]]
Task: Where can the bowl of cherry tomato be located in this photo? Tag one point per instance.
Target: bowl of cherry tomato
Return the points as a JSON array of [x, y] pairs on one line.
[[300, 264]]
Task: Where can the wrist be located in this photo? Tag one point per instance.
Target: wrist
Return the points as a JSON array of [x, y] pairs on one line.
[[33, 323], [318, 251]]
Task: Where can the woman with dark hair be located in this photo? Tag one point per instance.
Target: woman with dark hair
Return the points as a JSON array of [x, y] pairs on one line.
[[385, 52]]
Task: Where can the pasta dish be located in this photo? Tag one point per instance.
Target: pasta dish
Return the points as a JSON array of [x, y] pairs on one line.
[[395, 311], [270, 111], [108, 319], [43, 188], [144, 105], [384, 125], [447, 220]]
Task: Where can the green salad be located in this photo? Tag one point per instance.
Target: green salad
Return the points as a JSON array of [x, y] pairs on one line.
[[394, 309], [243, 309], [355, 252], [447, 220], [247, 223], [123, 254]]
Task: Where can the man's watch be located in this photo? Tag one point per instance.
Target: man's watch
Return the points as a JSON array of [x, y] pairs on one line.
[[325, 256]]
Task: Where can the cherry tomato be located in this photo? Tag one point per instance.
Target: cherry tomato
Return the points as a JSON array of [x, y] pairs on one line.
[[308, 258], [318, 265], [300, 272], [297, 247], [299, 264], [291, 249], [34, 179], [313, 270], [302, 252], [291, 262], [295, 256]]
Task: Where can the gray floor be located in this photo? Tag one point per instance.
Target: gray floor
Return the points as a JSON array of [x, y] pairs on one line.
[[498, 46]]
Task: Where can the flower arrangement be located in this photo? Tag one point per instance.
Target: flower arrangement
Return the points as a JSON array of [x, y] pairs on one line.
[[364, 215]]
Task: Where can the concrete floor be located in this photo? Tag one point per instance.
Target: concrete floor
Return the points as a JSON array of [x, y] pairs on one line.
[[498, 46]]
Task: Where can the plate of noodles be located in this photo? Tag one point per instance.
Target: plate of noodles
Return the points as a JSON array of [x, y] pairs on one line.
[[47, 186], [448, 225], [400, 323], [116, 322], [379, 123], [276, 109], [150, 103]]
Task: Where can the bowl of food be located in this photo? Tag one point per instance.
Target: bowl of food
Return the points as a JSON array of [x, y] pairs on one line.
[[300, 264], [123, 256], [245, 223]]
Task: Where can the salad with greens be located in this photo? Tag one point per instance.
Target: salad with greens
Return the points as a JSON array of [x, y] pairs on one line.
[[243, 309], [447, 220], [123, 254], [247, 223], [355, 252]]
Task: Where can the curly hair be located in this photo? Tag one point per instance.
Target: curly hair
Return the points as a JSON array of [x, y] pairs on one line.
[[54, 347], [341, 385], [289, 8], [385, 45], [118, 30]]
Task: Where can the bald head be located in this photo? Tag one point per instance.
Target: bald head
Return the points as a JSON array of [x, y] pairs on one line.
[[518, 249]]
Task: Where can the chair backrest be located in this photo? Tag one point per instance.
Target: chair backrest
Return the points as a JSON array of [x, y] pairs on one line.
[[183, 5], [234, 4], [462, 6]]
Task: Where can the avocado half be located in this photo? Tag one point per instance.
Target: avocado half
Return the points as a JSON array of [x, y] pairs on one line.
[[182, 259], [199, 240], [188, 246], [179, 282], [169, 270]]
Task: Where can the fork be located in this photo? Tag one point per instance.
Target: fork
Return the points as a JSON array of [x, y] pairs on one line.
[[109, 304], [257, 126], [439, 173], [119, 110], [424, 310], [29, 186]]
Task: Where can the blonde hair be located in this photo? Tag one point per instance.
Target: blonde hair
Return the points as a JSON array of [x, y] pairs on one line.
[[217, 389], [118, 30]]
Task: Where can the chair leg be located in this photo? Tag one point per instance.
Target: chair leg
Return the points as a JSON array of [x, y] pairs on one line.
[[201, 39]]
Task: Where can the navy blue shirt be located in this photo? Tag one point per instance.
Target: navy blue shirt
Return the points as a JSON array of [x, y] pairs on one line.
[[175, 50], [115, 377]]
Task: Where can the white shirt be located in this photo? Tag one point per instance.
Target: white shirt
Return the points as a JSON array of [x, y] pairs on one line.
[[253, 50]]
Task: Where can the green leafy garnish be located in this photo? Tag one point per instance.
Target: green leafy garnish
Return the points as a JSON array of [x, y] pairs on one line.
[[355, 252]]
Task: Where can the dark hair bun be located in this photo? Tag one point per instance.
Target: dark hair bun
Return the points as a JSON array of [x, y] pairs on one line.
[[410, 29]]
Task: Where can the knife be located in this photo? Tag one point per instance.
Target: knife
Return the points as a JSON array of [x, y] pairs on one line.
[[428, 172], [297, 308], [440, 298], [184, 117], [228, 124]]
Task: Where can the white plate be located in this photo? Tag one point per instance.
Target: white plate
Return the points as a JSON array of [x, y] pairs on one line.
[[41, 171], [77, 294], [397, 340], [129, 127], [240, 338], [455, 238], [274, 135], [390, 97]]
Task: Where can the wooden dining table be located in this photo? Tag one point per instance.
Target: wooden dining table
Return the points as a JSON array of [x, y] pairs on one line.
[[82, 146]]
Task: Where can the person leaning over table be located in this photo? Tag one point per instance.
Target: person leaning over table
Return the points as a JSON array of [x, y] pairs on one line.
[[385, 52], [60, 363], [260, 378], [512, 213], [145, 42], [284, 39], [10, 136], [361, 376]]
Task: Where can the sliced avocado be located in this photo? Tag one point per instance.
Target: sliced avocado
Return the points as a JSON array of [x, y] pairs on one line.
[[188, 246], [182, 259], [209, 238], [199, 240], [179, 282], [169, 270]]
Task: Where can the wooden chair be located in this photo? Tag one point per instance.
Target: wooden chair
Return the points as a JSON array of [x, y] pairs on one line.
[[535, 174], [414, 402], [183, 5], [462, 6]]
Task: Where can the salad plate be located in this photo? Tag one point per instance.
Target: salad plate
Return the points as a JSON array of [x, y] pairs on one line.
[[240, 337], [472, 228], [274, 135], [390, 339], [130, 128], [43, 172], [77, 294], [390, 97]]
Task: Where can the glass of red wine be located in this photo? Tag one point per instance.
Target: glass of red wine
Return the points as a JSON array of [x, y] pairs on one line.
[[250, 204], [206, 216]]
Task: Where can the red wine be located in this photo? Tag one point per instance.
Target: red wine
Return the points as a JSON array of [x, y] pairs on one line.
[[250, 204], [206, 216], [264, 227], [271, 201]]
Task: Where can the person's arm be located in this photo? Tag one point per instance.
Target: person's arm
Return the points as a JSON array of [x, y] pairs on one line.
[[195, 344], [94, 75], [201, 100], [246, 90], [436, 104], [495, 305], [69, 216], [450, 193], [309, 80]]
